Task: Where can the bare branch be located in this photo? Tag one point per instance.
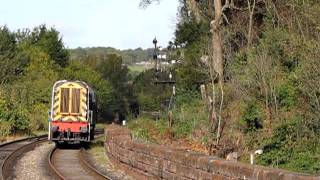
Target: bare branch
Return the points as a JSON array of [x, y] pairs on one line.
[[251, 12], [225, 18], [226, 6], [146, 3]]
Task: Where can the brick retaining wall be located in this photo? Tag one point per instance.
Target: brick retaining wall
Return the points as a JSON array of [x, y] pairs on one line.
[[150, 161]]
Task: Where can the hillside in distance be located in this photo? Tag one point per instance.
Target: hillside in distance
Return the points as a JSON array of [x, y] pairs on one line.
[[129, 56]]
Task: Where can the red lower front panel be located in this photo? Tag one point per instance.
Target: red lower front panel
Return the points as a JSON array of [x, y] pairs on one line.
[[73, 126]]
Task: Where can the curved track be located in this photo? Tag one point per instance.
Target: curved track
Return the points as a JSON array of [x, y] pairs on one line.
[[63, 163], [73, 164], [10, 152]]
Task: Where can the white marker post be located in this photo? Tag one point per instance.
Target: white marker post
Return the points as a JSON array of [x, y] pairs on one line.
[[251, 159]]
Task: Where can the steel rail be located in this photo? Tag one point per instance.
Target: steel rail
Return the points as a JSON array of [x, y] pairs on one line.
[[88, 165], [14, 149], [66, 172], [83, 166]]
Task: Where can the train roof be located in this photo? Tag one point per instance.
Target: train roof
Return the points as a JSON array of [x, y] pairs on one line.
[[82, 83]]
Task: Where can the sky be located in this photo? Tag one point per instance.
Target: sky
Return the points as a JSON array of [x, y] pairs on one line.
[[91, 23]]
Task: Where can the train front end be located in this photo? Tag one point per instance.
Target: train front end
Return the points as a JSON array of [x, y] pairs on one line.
[[72, 114]]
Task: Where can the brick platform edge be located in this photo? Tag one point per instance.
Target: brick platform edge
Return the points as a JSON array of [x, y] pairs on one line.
[[150, 161]]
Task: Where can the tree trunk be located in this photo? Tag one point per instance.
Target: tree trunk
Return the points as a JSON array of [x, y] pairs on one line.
[[218, 55], [194, 7], [251, 11], [216, 40]]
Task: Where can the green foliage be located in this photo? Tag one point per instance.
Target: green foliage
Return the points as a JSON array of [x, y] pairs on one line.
[[190, 32], [251, 119], [185, 96], [287, 96], [32, 60], [291, 147], [189, 121], [5, 128], [51, 43], [135, 70], [148, 102], [38, 116], [13, 119], [113, 70], [307, 76], [142, 128], [190, 117], [12, 61], [151, 96], [194, 37], [93, 56], [190, 74], [277, 75], [31, 91], [102, 87], [142, 134]]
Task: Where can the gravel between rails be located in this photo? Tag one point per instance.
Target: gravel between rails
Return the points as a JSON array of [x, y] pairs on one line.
[[32, 164]]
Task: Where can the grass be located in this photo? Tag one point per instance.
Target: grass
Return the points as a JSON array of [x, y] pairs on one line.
[[137, 68], [97, 151], [143, 129], [100, 125], [12, 138]]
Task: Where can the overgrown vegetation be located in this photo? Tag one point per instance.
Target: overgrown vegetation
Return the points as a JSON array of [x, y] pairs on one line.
[[32, 60], [270, 81], [260, 92]]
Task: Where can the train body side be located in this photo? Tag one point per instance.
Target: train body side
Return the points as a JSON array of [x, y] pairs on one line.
[[73, 112]]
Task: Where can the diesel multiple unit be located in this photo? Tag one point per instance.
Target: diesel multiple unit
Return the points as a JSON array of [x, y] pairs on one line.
[[72, 116]]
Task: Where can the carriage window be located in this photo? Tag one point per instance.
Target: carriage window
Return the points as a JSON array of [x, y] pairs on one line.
[[75, 101], [64, 100]]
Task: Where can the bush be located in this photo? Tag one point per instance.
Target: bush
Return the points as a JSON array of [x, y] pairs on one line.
[[143, 128], [185, 96], [142, 134], [39, 117], [148, 102], [5, 128], [13, 120], [151, 96], [286, 96], [251, 120], [102, 87], [190, 117], [292, 147]]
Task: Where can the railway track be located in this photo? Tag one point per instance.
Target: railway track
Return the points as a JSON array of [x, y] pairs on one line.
[[10, 152], [62, 163], [73, 164]]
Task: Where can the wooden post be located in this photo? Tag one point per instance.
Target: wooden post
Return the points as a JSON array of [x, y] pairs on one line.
[[170, 124]]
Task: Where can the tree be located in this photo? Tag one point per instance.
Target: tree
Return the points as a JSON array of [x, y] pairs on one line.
[[49, 41], [114, 71], [145, 3], [215, 54], [103, 88], [12, 61], [214, 11]]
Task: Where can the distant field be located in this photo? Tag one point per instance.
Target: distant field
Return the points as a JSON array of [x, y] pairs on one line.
[[137, 68]]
